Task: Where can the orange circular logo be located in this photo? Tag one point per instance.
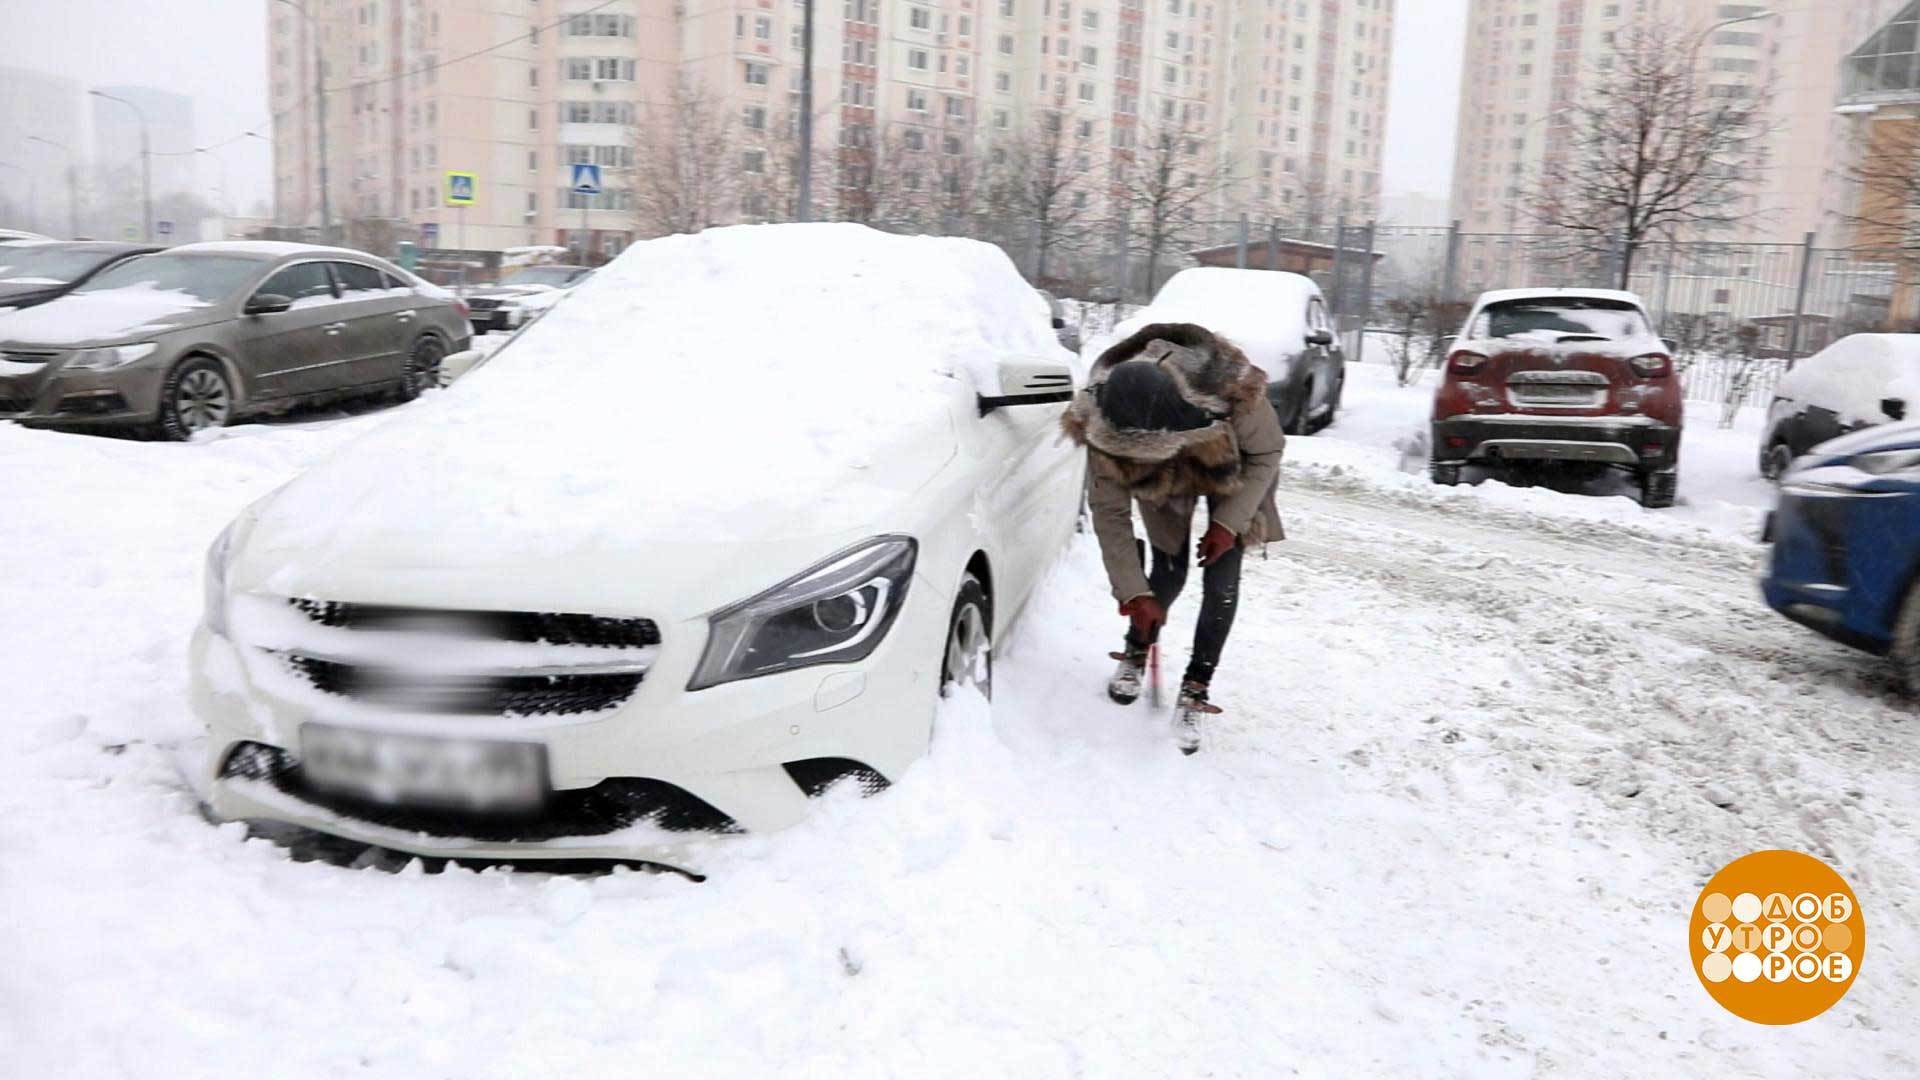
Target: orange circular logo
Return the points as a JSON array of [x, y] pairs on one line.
[[1777, 937]]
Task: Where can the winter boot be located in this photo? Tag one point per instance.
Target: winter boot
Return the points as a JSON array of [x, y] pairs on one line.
[[1187, 712], [1124, 687]]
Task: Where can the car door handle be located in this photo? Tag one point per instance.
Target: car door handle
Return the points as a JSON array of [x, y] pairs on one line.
[[334, 327], [405, 316]]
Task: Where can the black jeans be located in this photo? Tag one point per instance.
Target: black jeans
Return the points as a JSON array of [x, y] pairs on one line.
[[1219, 596]]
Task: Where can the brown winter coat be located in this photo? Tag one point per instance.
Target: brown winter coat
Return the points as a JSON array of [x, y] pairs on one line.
[[1234, 463]]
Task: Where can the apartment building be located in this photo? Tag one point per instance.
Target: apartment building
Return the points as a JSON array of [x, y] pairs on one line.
[[1528, 61], [910, 96]]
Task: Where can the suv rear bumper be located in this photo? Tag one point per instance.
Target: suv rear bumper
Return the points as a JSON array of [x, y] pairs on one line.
[[1638, 442]]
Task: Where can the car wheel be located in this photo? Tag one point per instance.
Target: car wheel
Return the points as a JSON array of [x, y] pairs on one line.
[[1294, 416], [1658, 487], [423, 367], [1444, 473], [1904, 650], [968, 658], [195, 397], [1779, 458]]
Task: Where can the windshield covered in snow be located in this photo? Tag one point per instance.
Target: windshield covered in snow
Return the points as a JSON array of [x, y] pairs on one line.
[[210, 278], [555, 276], [45, 265], [1560, 319]]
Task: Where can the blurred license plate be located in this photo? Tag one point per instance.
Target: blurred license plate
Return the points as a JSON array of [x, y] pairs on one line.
[[470, 774]]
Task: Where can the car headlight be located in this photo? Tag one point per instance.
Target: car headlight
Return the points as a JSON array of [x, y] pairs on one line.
[[834, 613], [1887, 462], [218, 556], [113, 356]]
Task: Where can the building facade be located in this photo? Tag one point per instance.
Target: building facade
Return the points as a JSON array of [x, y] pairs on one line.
[[1529, 60], [914, 100]]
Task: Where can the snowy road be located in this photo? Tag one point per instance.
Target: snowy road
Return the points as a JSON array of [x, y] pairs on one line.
[[1483, 746]]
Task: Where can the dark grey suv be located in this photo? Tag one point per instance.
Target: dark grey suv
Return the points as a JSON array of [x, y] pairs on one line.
[[192, 337]]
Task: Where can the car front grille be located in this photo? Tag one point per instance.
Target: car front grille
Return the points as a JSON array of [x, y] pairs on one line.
[[606, 807], [476, 663], [482, 303], [533, 627], [517, 695], [27, 356]]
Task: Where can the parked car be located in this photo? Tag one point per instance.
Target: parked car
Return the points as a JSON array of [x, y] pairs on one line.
[[1846, 544], [1278, 319], [521, 296], [32, 274], [1856, 382], [657, 573], [1574, 377], [1068, 334], [192, 337]]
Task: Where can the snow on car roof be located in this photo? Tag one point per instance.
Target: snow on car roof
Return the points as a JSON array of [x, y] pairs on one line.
[[1264, 312], [1854, 375], [1501, 296], [726, 379], [263, 249]]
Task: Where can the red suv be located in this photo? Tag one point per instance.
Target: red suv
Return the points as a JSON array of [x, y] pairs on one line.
[[1560, 375]]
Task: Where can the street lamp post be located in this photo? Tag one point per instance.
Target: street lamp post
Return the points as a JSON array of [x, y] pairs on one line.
[[320, 115], [226, 195], [146, 162], [73, 186]]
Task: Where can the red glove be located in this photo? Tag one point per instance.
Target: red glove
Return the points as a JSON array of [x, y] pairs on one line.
[[1147, 615], [1218, 541]]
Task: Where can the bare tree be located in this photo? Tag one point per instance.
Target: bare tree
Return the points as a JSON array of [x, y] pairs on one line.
[[876, 174], [1649, 151], [1040, 178], [1163, 184], [770, 171], [686, 161]]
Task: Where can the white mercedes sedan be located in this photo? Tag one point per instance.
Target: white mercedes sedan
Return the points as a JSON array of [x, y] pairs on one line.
[[711, 538]]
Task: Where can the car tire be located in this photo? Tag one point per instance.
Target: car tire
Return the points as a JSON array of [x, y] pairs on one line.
[[1293, 417], [423, 367], [196, 396], [1904, 649], [967, 657], [1774, 465], [1658, 488], [1333, 403], [1444, 473]]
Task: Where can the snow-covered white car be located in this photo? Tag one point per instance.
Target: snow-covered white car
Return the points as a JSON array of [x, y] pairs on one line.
[[1278, 319], [1856, 382], [522, 296], [709, 538]]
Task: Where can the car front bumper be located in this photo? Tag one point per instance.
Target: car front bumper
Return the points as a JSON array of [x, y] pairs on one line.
[[1837, 564], [739, 758], [1639, 442], [49, 395]]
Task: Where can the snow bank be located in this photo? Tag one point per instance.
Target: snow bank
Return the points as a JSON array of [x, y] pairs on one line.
[[1853, 375], [109, 315]]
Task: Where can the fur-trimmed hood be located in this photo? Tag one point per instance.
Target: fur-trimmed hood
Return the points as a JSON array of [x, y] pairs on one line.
[[1212, 374]]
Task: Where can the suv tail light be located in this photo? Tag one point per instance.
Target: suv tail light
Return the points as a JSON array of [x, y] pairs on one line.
[[1652, 365], [1465, 363], [465, 311]]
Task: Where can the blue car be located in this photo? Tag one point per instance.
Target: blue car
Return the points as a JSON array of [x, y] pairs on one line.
[[1846, 544]]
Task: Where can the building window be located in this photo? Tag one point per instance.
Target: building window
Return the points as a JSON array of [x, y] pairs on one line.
[[916, 100], [920, 18], [950, 145], [753, 161], [533, 119], [754, 74], [966, 25], [956, 108], [917, 59], [1006, 44], [763, 28], [579, 70], [1089, 56], [1002, 82], [1090, 20], [1086, 91], [754, 117]]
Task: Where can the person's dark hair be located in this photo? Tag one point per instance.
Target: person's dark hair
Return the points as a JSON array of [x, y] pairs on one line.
[[1140, 396]]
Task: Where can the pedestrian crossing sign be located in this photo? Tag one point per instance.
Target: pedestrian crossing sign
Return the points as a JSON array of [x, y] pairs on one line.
[[460, 188], [586, 179]]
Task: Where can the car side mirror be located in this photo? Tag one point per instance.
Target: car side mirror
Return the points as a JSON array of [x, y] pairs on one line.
[[1671, 347], [1030, 382], [1059, 323], [1319, 337], [1895, 408], [268, 304]]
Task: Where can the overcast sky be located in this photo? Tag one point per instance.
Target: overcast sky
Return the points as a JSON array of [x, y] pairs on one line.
[[214, 51]]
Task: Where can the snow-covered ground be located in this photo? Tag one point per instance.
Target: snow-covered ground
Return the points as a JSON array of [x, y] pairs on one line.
[[1483, 746]]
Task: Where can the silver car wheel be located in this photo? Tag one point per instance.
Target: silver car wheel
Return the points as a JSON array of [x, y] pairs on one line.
[[969, 659], [202, 401]]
